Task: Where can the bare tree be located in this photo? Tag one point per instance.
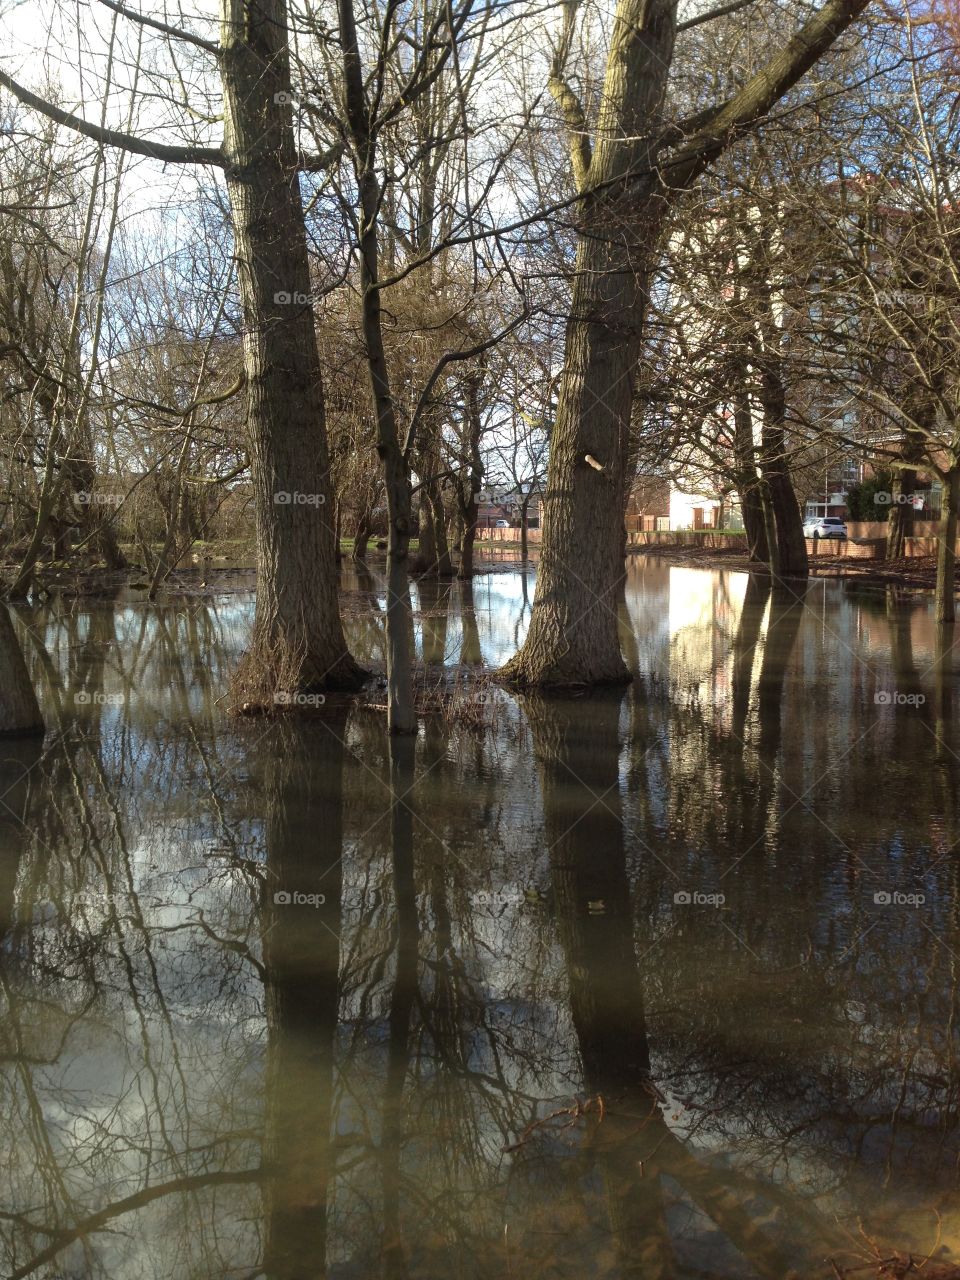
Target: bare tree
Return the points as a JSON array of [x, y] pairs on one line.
[[636, 164]]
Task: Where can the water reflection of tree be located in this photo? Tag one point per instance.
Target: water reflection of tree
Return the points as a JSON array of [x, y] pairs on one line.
[[302, 788], [629, 1141], [482, 981]]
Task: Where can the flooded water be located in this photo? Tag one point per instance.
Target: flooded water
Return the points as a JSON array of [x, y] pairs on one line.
[[660, 982]]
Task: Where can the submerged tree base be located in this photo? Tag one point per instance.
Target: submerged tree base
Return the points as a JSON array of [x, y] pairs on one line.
[[279, 678], [525, 671]]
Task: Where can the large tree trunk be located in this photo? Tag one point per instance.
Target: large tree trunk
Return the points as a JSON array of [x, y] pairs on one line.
[[298, 640], [751, 508], [19, 710], [573, 629], [946, 600]]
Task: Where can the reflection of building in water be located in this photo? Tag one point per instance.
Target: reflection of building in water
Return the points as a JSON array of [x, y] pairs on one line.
[[704, 610]]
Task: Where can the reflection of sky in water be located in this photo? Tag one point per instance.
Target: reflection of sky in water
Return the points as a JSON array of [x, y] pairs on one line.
[[788, 1028]]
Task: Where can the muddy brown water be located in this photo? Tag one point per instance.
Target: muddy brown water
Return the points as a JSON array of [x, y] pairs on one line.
[[660, 982]]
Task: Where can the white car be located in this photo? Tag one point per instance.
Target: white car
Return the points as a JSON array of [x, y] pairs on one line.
[[824, 527]]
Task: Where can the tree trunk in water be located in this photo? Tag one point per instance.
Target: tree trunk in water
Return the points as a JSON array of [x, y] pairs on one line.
[[470, 484], [444, 566], [19, 709], [524, 532], [791, 544], [748, 481], [900, 519], [399, 621], [426, 557], [754, 526], [298, 640], [946, 608], [401, 717], [468, 538], [770, 528], [361, 536], [573, 637], [573, 629]]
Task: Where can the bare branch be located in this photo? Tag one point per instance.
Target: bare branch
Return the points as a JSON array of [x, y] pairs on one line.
[[174, 32], [748, 107], [112, 137], [701, 18]]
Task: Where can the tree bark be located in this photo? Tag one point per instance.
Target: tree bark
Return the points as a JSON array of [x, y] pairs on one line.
[[471, 481], [573, 637], [946, 598], [298, 640], [748, 480], [361, 536], [900, 517], [442, 566], [468, 540], [791, 543]]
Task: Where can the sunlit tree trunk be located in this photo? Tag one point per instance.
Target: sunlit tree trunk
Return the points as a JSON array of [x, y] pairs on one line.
[[748, 481], [572, 638], [573, 629]]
